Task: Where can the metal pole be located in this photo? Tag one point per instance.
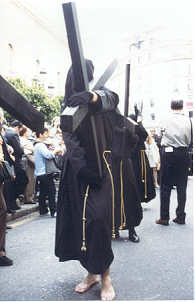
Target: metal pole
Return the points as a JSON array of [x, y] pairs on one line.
[[127, 84]]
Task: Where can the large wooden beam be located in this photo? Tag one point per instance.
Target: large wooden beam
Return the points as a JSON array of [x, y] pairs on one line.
[[127, 84], [17, 106], [75, 46], [79, 67], [72, 117]]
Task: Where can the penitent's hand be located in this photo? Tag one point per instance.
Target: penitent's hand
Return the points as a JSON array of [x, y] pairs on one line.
[[82, 98]]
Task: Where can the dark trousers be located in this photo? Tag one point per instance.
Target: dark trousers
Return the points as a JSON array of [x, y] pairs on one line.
[[3, 216], [165, 194], [20, 181], [9, 193], [174, 171], [47, 189], [30, 187], [12, 189]]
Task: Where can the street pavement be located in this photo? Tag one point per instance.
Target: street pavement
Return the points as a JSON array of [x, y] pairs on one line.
[[159, 267]]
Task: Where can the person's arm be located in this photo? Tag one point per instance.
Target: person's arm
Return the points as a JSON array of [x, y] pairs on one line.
[[98, 100], [46, 153], [106, 100], [14, 142], [141, 132]]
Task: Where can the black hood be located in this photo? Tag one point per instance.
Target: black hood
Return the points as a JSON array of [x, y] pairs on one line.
[[69, 86]]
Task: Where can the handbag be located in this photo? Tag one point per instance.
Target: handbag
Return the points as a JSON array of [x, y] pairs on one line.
[[59, 160], [9, 172], [50, 167]]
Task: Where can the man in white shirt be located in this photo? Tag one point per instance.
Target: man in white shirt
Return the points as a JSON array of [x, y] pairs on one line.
[[174, 162]]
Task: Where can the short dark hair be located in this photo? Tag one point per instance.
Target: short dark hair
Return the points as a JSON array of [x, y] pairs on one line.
[[41, 131], [177, 105], [16, 124], [23, 130]]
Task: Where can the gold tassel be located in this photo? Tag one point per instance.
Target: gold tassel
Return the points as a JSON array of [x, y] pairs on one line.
[[123, 216], [142, 165], [84, 248], [145, 183], [144, 172], [113, 197]]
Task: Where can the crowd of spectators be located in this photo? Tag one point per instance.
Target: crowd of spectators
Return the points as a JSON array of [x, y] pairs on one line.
[[28, 152], [22, 142]]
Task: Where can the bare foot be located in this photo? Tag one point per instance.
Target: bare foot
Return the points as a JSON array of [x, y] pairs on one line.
[[88, 282], [107, 291]]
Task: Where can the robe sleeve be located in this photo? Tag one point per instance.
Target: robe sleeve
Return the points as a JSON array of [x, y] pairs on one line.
[[141, 132], [75, 154], [107, 100]]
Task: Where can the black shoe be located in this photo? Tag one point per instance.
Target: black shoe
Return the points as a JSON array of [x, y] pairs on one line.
[[10, 211], [179, 221], [5, 261], [30, 202], [9, 227], [16, 208], [53, 213], [21, 197], [44, 212], [117, 234], [162, 222], [134, 237]]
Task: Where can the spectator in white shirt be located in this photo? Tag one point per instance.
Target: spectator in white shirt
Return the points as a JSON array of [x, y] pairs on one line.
[[174, 162]]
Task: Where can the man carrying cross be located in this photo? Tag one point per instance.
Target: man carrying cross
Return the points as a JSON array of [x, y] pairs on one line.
[[85, 222], [84, 209]]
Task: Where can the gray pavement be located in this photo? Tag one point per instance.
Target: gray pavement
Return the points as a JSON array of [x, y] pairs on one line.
[[160, 267]]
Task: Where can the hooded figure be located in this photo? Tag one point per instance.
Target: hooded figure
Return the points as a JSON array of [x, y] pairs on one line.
[[70, 88], [85, 220], [142, 168], [84, 208], [128, 210]]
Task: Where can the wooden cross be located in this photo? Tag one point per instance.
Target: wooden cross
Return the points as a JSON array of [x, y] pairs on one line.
[[71, 118], [17, 106]]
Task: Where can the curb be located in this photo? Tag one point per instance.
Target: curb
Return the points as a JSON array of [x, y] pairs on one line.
[[25, 210]]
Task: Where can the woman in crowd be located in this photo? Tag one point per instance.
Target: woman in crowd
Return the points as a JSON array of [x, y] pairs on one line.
[[153, 155], [4, 155], [29, 164]]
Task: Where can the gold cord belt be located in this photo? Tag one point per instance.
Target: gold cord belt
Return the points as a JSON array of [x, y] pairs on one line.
[[143, 169], [84, 248], [123, 216], [113, 196]]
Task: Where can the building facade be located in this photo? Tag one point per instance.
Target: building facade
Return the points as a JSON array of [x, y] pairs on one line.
[[161, 70], [31, 49]]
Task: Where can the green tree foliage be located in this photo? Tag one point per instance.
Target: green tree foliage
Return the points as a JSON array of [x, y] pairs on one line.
[[37, 96]]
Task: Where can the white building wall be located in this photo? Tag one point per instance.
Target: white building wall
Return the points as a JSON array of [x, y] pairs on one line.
[[161, 71], [31, 40], [160, 66]]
